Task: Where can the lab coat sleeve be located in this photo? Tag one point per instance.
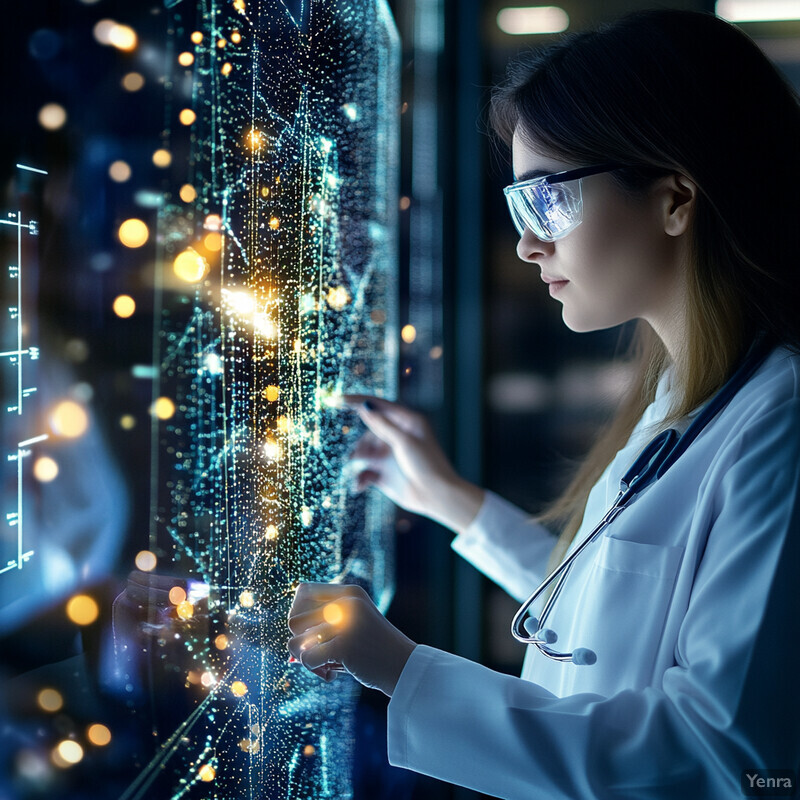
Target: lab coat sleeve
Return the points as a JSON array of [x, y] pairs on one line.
[[507, 546], [729, 703]]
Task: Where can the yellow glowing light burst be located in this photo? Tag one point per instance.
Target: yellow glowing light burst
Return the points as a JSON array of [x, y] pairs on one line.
[[187, 193], [190, 266], [221, 642], [50, 700], [98, 734], [145, 561], [187, 116], [162, 158], [133, 233], [227, 68], [119, 171], [333, 614], [408, 333], [274, 223], [264, 326], [236, 37], [284, 423], [69, 419], [239, 5], [272, 393], [247, 599], [52, 116], [255, 138], [124, 306], [309, 750], [127, 422], [45, 469], [177, 595], [239, 688], [221, 43], [213, 242], [186, 59], [240, 302], [271, 532], [265, 191], [68, 752], [206, 773], [185, 610], [163, 408], [197, 37], [132, 81], [272, 450], [82, 609], [123, 37], [338, 297]]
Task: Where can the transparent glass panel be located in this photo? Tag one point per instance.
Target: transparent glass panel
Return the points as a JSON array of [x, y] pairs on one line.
[[277, 296]]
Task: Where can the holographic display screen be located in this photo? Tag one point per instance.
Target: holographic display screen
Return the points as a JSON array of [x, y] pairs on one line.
[[276, 296]]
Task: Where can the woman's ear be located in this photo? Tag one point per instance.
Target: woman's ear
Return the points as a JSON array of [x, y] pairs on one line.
[[678, 193]]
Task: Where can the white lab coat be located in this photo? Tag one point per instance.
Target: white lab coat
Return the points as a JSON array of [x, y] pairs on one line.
[[690, 601]]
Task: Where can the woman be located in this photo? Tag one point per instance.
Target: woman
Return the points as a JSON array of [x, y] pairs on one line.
[[684, 609]]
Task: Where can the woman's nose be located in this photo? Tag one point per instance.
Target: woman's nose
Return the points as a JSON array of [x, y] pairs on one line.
[[531, 248]]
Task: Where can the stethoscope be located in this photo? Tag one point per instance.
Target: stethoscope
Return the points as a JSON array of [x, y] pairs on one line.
[[651, 464]]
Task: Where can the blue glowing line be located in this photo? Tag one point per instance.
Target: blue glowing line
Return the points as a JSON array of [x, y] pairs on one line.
[[32, 169]]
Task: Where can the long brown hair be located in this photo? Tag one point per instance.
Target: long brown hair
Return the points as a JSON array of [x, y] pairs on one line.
[[668, 91]]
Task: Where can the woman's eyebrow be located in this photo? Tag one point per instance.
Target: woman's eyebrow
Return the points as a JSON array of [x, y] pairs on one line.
[[533, 173]]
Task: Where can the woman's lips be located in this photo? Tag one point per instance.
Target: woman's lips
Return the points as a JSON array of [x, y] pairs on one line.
[[555, 284]]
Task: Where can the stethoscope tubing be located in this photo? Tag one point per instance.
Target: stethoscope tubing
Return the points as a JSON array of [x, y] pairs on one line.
[[651, 464]]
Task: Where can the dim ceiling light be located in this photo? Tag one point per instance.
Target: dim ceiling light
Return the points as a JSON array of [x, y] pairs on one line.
[[532, 19], [758, 10]]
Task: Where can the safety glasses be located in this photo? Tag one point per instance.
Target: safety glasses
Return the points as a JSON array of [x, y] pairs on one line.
[[550, 206]]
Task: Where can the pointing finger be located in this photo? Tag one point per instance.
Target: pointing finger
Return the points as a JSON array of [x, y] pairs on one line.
[[355, 400]]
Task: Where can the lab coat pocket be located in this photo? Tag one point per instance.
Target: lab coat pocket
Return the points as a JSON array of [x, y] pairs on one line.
[[623, 610]]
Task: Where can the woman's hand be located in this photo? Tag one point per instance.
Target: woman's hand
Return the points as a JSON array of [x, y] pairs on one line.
[[400, 456], [338, 626], [157, 613]]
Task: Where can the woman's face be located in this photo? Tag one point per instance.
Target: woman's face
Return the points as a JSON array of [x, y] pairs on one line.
[[624, 261]]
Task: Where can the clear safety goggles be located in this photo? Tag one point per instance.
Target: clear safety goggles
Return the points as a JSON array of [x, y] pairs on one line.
[[550, 206]]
